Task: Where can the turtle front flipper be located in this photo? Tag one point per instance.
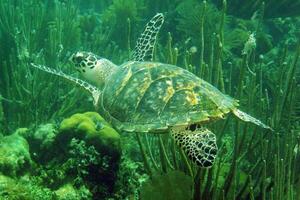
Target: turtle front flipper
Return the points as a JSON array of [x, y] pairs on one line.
[[95, 92], [200, 145], [146, 42], [248, 118]]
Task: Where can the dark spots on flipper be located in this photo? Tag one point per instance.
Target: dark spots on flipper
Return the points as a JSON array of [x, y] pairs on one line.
[[210, 158], [83, 70], [206, 163], [199, 145], [193, 159], [206, 150], [213, 151]]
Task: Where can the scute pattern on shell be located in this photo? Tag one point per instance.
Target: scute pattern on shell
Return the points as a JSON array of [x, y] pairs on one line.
[[152, 97]]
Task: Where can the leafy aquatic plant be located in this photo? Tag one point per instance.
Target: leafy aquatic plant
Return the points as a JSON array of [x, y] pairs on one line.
[[248, 169], [15, 158], [273, 8], [23, 189], [119, 17], [40, 37], [197, 21]]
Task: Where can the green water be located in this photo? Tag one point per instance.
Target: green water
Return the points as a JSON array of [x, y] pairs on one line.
[[58, 142]]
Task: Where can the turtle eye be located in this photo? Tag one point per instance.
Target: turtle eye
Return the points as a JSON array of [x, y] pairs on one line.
[[77, 59]]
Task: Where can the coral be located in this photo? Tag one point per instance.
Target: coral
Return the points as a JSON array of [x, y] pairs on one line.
[[81, 166], [92, 128], [81, 157], [174, 185], [45, 135], [72, 168], [94, 149], [99, 171], [41, 140], [86, 151], [68, 192], [15, 158], [23, 189], [131, 176]]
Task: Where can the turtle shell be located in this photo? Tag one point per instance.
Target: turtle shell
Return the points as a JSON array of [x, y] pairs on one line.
[[152, 97]]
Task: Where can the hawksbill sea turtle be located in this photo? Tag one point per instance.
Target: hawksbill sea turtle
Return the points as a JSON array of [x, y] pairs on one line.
[[150, 97]]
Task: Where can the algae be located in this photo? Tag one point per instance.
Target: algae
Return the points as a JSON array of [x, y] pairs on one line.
[[15, 158]]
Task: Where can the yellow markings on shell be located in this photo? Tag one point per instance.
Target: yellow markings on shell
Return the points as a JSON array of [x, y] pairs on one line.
[[124, 82], [191, 97], [169, 94], [147, 80], [169, 91], [150, 64]]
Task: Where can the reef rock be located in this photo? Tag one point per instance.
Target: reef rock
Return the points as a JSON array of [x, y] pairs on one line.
[[87, 146], [15, 158], [94, 130], [41, 141], [23, 189], [67, 192]]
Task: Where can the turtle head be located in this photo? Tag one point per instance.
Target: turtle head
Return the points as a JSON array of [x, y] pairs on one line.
[[92, 67]]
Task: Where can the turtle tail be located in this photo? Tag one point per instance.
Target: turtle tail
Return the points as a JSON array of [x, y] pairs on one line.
[[200, 145], [248, 118]]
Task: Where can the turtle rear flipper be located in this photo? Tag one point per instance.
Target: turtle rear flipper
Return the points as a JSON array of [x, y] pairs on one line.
[[200, 145], [248, 118]]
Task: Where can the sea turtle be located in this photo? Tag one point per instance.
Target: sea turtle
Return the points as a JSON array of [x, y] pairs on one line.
[[152, 97]]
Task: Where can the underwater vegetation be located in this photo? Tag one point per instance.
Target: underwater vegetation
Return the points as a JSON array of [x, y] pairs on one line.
[[273, 8], [248, 50]]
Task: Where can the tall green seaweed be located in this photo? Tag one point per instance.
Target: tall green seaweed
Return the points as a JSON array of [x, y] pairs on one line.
[[246, 167], [274, 8], [238, 56], [46, 33]]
